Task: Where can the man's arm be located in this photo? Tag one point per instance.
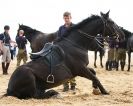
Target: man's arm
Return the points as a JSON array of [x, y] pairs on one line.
[[1, 45]]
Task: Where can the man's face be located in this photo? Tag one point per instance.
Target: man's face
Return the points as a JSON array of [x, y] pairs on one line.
[[67, 19], [21, 33], [6, 31]]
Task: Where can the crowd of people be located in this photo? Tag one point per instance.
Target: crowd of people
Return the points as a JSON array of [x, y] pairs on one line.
[[8, 48], [116, 51]]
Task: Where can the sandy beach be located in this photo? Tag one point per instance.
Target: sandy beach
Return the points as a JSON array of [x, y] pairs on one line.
[[118, 83]]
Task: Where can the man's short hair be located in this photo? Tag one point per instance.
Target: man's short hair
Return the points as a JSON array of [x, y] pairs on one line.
[[66, 14], [6, 27]]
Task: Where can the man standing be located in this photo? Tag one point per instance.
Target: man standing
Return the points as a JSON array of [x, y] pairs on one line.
[[22, 52], [5, 41], [67, 19], [121, 54], [110, 63]]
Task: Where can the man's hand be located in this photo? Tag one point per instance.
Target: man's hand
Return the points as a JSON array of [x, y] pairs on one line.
[[1, 52]]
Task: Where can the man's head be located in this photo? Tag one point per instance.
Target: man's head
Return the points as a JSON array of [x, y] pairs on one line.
[[21, 32], [67, 18], [6, 28]]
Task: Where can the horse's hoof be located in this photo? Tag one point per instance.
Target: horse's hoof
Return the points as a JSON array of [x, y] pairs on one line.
[[96, 92], [58, 96], [105, 93], [95, 66]]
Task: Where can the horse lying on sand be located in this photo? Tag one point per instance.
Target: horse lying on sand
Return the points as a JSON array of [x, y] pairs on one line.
[[66, 58]]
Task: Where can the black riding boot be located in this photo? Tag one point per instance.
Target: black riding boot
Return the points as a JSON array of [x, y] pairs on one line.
[[66, 86], [6, 69], [107, 65], [116, 65], [3, 68], [110, 65], [122, 66]]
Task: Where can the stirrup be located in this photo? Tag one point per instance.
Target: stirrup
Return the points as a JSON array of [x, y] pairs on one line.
[[50, 78]]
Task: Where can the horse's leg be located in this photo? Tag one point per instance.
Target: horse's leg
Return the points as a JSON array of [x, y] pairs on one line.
[[129, 59], [41, 92], [95, 58], [89, 73], [101, 57]]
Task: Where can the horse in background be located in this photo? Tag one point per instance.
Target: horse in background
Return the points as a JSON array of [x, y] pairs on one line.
[[37, 38], [129, 41], [66, 59], [100, 48]]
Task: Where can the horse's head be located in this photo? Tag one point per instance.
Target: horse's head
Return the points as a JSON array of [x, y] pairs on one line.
[[29, 33], [110, 28], [27, 30]]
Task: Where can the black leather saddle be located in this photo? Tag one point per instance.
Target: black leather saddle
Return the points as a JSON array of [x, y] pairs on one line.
[[54, 54]]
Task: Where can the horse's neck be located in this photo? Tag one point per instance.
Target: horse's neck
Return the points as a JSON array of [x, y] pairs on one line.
[[30, 36]]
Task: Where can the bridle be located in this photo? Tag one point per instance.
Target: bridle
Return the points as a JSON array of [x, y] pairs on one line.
[[88, 36], [105, 23]]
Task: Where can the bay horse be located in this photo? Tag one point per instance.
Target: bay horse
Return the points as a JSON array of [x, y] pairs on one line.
[[38, 39], [69, 58]]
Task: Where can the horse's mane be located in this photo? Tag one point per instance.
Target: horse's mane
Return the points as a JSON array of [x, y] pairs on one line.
[[31, 29], [82, 23], [126, 32]]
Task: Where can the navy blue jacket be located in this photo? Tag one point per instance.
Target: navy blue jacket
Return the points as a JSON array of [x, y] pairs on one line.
[[5, 38], [21, 42], [62, 30]]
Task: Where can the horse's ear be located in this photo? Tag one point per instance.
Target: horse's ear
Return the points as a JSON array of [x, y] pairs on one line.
[[101, 14], [19, 25], [105, 16]]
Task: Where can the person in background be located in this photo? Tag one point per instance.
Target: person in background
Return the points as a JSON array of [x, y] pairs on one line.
[[12, 49], [121, 54], [112, 52], [5, 41], [21, 44], [62, 29]]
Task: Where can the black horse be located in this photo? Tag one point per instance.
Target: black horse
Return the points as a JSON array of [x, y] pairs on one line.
[[129, 40], [38, 39], [66, 59], [100, 48]]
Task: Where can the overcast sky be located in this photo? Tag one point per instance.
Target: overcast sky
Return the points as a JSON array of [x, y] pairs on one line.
[[46, 15]]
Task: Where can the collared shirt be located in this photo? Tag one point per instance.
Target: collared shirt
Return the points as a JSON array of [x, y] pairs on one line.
[[62, 30]]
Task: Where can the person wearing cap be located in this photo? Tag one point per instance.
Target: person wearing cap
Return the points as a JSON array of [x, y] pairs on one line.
[[21, 44], [62, 30], [5, 41]]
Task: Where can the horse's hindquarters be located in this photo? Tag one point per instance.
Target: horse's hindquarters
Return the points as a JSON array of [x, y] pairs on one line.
[[22, 83]]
